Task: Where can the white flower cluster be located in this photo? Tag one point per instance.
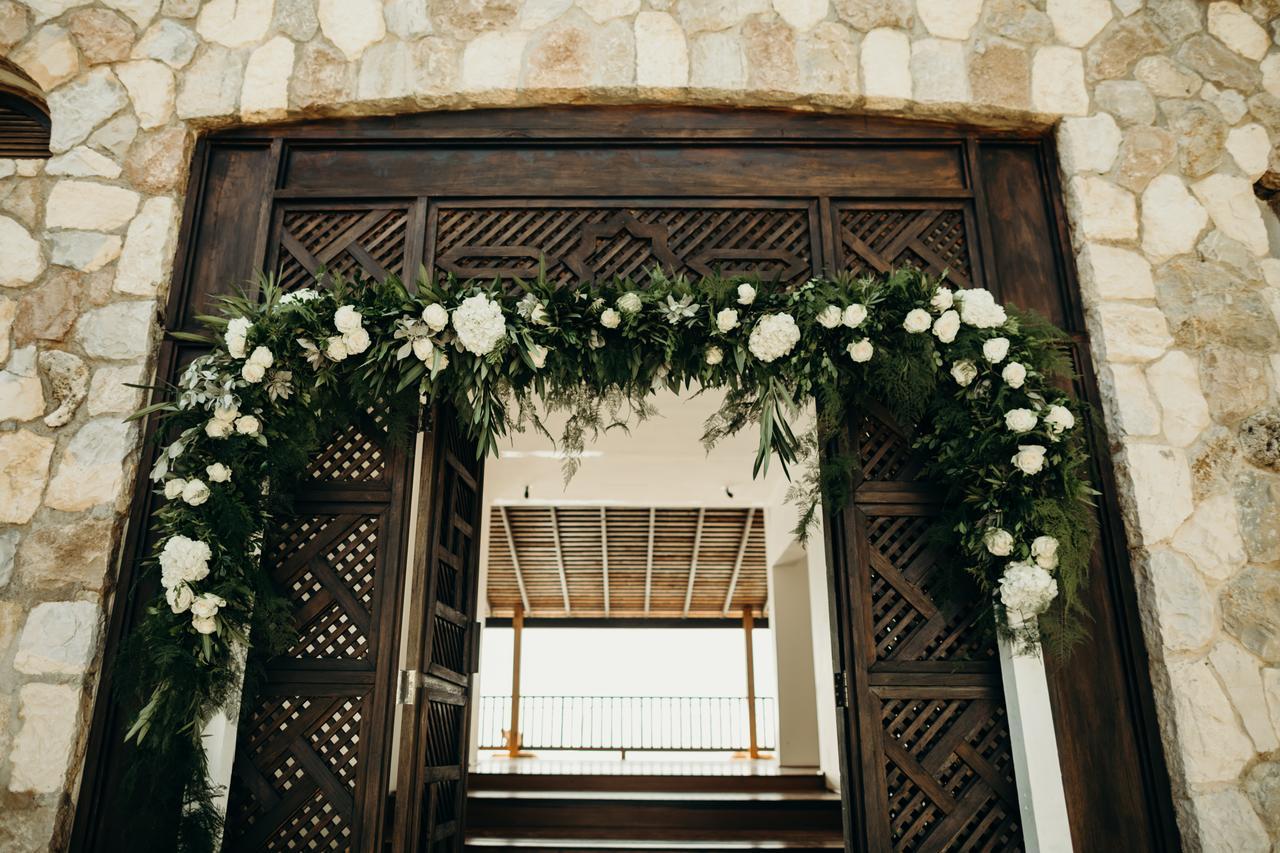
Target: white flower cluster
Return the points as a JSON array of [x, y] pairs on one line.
[[255, 367], [183, 561], [1026, 591], [227, 420], [978, 308], [298, 297], [773, 337], [237, 336], [352, 339], [479, 324]]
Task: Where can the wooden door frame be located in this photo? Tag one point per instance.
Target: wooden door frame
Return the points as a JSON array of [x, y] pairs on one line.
[[267, 154]]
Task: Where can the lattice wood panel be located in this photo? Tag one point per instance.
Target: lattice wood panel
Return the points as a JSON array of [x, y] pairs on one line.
[[601, 240], [872, 240], [352, 241], [302, 749]]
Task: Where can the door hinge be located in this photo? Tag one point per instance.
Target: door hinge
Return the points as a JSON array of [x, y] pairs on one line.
[[842, 689], [407, 687]]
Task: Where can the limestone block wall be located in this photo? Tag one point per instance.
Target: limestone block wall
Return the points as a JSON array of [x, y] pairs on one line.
[[1170, 111]]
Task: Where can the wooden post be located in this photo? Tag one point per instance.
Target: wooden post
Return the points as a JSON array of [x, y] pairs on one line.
[[513, 734], [747, 624]]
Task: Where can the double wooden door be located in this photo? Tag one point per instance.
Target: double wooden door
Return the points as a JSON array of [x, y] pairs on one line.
[[614, 192]]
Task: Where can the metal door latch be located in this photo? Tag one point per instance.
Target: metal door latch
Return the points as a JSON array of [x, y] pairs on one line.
[[842, 689], [407, 687]]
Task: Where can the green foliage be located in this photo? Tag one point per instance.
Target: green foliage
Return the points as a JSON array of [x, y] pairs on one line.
[[595, 354]]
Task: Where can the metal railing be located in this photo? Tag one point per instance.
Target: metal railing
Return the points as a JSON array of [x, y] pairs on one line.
[[629, 723]]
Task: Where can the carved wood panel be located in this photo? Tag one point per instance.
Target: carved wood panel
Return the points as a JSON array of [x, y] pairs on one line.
[[602, 238], [345, 240], [872, 238]]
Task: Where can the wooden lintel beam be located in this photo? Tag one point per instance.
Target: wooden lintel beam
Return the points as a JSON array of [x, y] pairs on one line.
[[604, 556], [564, 579], [737, 563], [648, 563], [693, 562], [515, 560]]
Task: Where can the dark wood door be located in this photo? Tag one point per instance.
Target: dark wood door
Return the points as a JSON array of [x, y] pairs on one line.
[[613, 191]]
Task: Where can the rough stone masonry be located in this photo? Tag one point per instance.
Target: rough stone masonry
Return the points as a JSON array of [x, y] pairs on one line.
[[1169, 109]]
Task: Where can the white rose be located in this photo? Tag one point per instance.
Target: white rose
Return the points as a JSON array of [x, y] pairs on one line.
[[1014, 374], [978, 308], [179, 598], [829, 317], [237, 336], [538, 355], [917, 321], [773, 337], [995, 350], [964, 372], [1059, 419], [1045, 551], [713, 355], [248, 425], [1026, 590], [173, 488], [218, 473], [727, 320], [942, 299], [207, 605], [998, 541], [423, 348], [629, 302], [861, 351], [336, 348], [435, 316], [746, 294], [1020, 420], [195, 492], [217, 429], [263, 356], [854, 315], [347, 319], [356, 342], [442, 360], [252, 372], [479, 324], [1029, 459], [204, 624], [946, 326], [610, 318]]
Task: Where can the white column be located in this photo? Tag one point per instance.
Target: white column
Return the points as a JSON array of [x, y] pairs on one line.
[[792, 633], [823, 662], [219, 736], [1042, 802]]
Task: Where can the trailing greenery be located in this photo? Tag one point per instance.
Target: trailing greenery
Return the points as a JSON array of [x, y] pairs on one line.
[[976, 383]]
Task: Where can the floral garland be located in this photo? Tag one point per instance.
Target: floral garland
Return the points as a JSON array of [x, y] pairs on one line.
[[979, 381]]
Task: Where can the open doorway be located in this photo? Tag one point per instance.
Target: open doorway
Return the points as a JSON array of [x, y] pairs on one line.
[[649, 656]]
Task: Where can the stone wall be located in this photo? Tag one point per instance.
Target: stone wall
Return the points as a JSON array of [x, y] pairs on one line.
[[1169, 111]]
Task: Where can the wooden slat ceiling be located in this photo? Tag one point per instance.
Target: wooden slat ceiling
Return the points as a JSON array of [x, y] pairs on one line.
[[658, 562]]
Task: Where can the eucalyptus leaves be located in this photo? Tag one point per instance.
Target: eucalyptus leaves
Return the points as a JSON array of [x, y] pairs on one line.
[[977, 380]]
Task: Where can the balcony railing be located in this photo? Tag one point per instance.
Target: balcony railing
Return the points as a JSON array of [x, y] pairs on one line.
[[629, 723]]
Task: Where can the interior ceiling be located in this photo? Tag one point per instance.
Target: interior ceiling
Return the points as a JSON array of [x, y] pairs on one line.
[[655, 479], [625, 562]]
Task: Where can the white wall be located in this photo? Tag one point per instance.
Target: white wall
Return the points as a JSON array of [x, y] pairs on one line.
[[789, 621]]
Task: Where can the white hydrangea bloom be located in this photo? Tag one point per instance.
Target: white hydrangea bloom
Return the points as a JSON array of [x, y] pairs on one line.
[[978, 308], [773, 337], [298, 297], [183, 559], [479, 324], [237, 336], [1026, 590]]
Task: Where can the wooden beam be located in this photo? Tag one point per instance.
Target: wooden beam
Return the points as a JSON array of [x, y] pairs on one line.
[[751, 683], [513, 733], [604, 556], [564, 580], [648, 565], [693, 562], [515, 560], [737, 563]]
